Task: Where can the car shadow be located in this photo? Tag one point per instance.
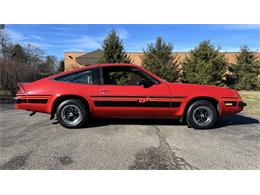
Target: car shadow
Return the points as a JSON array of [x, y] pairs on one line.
[[104, 122], [236, 120], [222, 122]]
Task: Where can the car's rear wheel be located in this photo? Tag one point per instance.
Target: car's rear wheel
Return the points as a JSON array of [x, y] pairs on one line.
[[201, 115], [72, 113]]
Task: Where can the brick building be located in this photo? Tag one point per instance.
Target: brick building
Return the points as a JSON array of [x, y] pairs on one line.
[[74, 60]]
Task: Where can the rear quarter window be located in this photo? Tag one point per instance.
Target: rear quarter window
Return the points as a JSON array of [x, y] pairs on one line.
[[89, 76]]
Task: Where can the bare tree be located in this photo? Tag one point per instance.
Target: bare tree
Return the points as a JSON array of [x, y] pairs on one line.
[[13, 72], [34, 55], [49, 65], [22, 63], [5, 45]]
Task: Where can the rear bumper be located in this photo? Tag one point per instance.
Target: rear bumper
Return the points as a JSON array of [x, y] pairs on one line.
[[32, 103]]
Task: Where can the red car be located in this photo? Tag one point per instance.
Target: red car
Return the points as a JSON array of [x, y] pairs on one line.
[[125, 91]]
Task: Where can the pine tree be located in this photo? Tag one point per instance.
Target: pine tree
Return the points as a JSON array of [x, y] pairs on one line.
[[159, 59], [61, 66], [246, 70], [204, 65], [113, 49]]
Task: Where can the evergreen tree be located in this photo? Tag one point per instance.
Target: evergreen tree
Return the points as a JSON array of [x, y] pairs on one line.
[[246, 70], [204, 65], [113, 49], [61, 66], [158, 59]]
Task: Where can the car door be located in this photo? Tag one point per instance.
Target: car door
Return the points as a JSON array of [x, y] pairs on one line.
[[129, 92]]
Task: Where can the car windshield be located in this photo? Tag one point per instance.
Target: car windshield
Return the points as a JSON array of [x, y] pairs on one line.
[[145, 75]]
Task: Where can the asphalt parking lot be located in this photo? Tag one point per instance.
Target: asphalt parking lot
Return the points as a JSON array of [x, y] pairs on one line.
[[37, 143]]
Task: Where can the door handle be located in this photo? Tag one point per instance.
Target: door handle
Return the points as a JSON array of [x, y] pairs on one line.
[[103, 91]]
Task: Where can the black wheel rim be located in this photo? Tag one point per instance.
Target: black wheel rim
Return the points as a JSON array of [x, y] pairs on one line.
[[202, 115], [71, 114]]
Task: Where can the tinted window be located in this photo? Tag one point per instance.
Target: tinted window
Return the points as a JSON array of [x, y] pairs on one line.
[[89, 76], [123, 75]]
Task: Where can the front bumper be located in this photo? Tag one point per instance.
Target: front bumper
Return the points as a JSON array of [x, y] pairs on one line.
[[232, 105], [241, 104]]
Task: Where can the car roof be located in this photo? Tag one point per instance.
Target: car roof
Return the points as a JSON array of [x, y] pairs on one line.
[[114, 64]]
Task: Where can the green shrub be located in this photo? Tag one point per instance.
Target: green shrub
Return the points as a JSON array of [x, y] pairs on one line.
[[204, 65], [160, 60], [113, 50], [246, 70]]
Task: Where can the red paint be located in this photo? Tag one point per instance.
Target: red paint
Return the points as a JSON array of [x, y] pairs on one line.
[[49, 90]]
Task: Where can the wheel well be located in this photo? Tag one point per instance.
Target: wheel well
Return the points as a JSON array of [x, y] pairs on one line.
[[66, 97], [213, 101]]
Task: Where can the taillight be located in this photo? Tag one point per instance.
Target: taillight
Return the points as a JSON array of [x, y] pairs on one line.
[[21, 88]]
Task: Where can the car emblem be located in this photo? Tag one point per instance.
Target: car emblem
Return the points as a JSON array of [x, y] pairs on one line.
[[143, 100]]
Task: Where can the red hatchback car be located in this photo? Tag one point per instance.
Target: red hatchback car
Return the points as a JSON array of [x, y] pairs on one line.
[[125, 91]]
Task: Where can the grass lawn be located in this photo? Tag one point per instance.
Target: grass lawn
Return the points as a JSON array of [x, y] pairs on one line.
[[252, 98]]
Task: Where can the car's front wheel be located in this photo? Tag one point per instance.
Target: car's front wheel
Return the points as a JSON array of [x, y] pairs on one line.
[[201, 115], [72, 113]]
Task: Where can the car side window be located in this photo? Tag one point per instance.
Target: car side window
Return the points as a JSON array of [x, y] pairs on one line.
[[89, 76], [124, 75]]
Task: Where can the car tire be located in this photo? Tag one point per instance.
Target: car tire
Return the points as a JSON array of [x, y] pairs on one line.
[[72, 114], [201, 115]]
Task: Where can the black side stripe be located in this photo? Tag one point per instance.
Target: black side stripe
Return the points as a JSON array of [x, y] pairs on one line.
[[138, 96], [38, 101], [32, 101], [33, 95], [136, 104], [18, 101]]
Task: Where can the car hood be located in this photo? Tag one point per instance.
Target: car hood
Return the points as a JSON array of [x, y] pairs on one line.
[[179, 89]]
